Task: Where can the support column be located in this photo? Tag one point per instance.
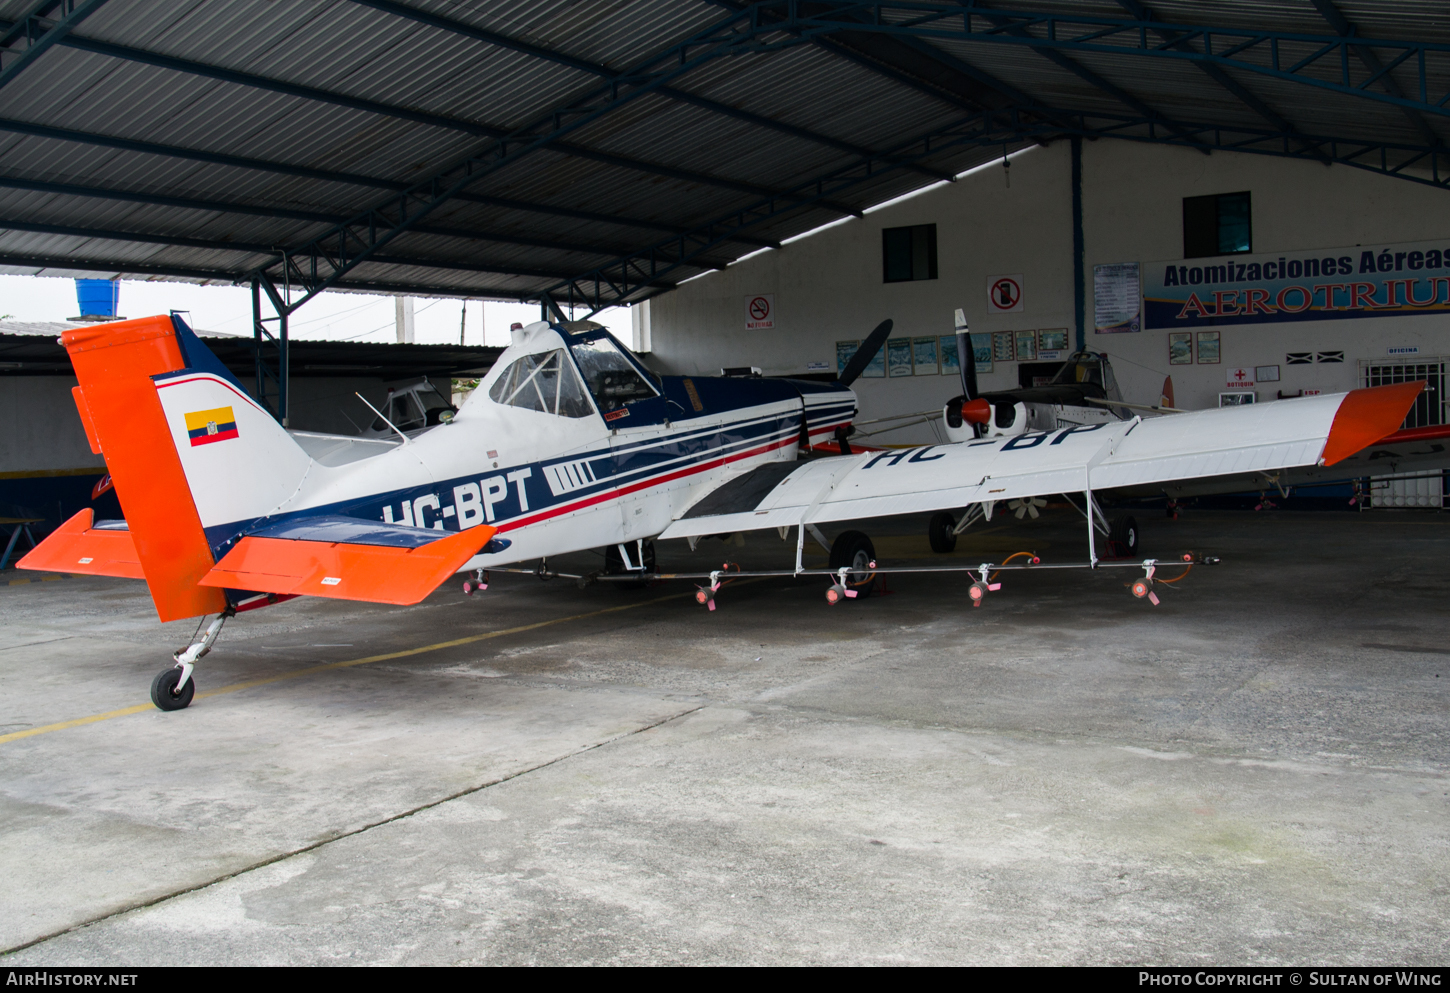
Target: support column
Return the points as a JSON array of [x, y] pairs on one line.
[[1079, 290], [264, 342]]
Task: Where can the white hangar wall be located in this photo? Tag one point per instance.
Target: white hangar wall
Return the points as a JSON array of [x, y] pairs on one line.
[[828, 287]]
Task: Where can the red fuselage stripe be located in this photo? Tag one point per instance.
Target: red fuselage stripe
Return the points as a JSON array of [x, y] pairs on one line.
[[658, 480]]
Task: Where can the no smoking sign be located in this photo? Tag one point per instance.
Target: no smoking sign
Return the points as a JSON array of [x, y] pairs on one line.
[[1004, 294], [759, 311]]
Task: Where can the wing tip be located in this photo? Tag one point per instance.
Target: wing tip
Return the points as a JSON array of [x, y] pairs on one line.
[[1365, 416]]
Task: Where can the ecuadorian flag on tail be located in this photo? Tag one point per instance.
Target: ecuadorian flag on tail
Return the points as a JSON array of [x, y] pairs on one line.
[[207, 426]]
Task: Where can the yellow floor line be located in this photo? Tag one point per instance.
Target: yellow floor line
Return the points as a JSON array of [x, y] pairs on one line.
[[234, 687]]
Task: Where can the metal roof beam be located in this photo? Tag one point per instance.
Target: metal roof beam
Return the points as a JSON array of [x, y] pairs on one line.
[[1345, 29], [223, 207], [1222, 78], [39, 31], [108, 234], [624, 278], [1276, 54], [1090, 77], [325, 175], [604, 72], [190, 67], [220, 276], [323, 260]]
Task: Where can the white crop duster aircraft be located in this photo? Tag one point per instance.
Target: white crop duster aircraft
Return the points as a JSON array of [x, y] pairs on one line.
[[570, 443]]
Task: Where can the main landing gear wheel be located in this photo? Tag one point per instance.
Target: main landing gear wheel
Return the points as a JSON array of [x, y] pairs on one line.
[[940, 532], [854, 550], [1123, 537], [163, 690]]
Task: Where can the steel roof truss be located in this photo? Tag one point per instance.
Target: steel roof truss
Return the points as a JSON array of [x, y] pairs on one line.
[[347, 178], [660, 259], [1229, 47], [37, 30]]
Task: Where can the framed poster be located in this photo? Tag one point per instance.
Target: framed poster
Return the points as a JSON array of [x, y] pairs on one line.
[[1026, 346], [844, 351], [1117, 298], [1208, 351], [1266, 373], [982, 351], [898, 357], [1180, 348], [950, 364], [924, 357], [1003, 348], [1052, 339]]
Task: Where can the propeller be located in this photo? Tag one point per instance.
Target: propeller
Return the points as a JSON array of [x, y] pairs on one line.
[[865, 353], [966, 357], [1026, 506]]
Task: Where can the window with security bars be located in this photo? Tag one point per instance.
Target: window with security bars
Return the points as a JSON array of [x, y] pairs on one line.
[[1429, 406]]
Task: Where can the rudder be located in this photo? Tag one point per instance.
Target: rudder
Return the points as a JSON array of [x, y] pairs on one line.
[[138, 380]]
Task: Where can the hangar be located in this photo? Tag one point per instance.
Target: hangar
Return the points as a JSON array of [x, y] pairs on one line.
[[1068, 780]]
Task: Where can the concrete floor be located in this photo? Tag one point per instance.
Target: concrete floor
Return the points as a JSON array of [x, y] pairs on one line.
[[1254, 772]]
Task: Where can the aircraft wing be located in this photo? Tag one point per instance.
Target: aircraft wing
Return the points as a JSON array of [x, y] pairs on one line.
[[1412, 450], [1308, 431]]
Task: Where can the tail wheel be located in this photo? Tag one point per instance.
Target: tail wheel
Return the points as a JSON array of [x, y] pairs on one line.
[[853, 550], [1123, 537], [163, 690], [940, 532]]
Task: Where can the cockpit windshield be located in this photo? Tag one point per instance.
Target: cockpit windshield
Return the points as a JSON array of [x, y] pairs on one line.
[[1089, 367], [612, 379], [545, 382]]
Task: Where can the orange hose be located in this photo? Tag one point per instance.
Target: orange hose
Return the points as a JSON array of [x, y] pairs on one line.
[[1186, 570], [1009, 559]]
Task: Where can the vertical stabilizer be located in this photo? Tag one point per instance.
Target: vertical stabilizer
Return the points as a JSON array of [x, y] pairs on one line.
[[115, 364]]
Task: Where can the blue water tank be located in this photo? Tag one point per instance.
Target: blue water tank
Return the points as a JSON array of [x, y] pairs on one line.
[[98, 297]]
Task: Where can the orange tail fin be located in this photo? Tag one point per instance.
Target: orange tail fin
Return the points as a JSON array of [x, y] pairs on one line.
[[115, 363]]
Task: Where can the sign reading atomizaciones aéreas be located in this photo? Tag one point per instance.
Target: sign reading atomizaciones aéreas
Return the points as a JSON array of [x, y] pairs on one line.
[[1317, 285]]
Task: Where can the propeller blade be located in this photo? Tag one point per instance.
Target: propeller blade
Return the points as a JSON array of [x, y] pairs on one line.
[[865, 353], [966, 357], [1032, 511]]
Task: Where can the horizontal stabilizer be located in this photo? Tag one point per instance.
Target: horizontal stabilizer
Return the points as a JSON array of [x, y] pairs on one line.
[[347, 559], [81, 546]]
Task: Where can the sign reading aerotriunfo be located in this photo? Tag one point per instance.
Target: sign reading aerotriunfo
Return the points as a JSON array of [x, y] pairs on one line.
[[1319, 285], [759, 311]]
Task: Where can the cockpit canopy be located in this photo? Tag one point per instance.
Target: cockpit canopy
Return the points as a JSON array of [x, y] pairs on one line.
[[548, 382], [1089, 367]]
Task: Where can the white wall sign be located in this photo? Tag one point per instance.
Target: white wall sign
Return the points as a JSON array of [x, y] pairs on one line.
[[759, 311], [1241, 379], [1117, 298], [1004, 294]]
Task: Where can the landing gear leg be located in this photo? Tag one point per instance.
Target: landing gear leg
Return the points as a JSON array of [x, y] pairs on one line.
[[173, 688], [853, 551]]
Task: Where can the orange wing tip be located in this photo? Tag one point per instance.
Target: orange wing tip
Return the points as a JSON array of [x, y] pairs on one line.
[[75, 548], [1366, 416], [337, 571]]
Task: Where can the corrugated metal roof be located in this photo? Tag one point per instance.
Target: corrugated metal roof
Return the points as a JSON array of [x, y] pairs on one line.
[[318, 109]]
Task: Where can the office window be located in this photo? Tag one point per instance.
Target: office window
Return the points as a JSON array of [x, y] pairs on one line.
[[1218, 225], [908, 253]]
